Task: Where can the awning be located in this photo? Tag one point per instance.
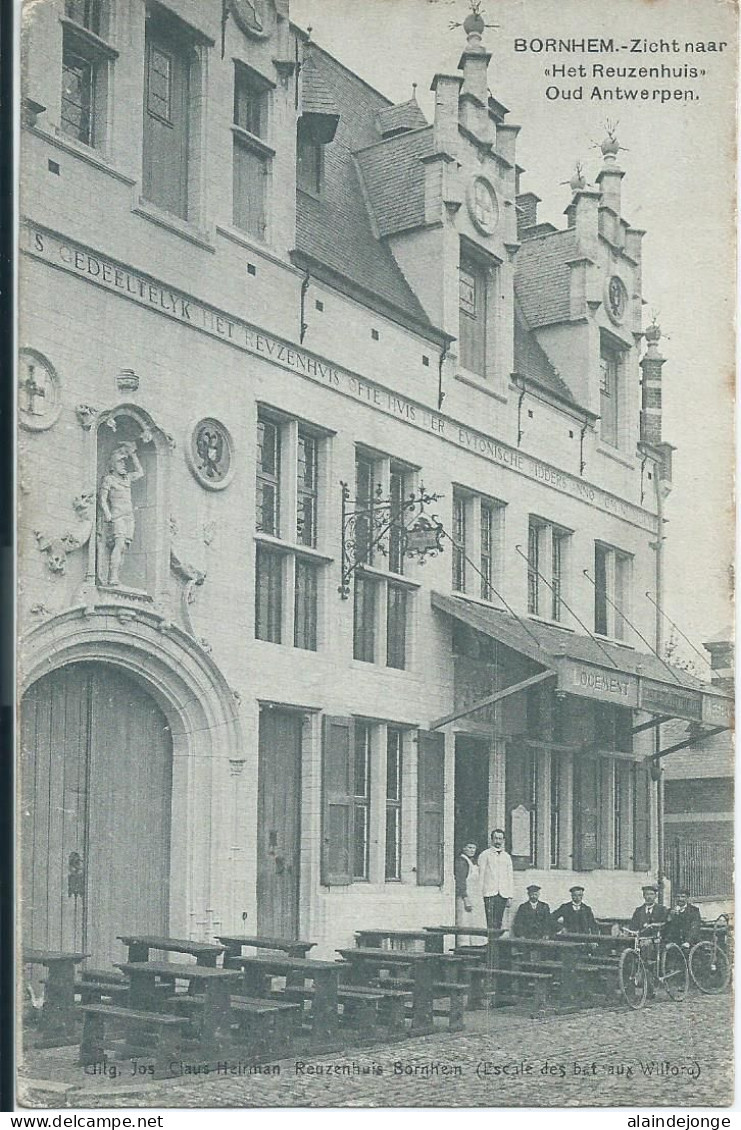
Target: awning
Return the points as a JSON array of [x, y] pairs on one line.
[[593, 668]]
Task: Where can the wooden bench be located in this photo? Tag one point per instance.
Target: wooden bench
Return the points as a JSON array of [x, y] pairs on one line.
[[96, 1038], [139, 946], [392, 1003], [235, 942], [96, 992]]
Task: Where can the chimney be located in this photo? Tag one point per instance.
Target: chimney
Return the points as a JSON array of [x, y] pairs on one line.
[[527, 211], [447, 89], [651, 365], [610, 176], [474, 62], [721, 663]]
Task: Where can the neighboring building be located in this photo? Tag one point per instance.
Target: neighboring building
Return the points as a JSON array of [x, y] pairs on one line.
[[252, 271], [699, 799]]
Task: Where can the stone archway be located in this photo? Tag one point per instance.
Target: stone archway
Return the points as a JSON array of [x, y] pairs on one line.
[[205, 732]]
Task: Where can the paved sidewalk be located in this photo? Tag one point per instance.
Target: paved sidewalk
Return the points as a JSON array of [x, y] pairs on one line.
[[669, 1054]]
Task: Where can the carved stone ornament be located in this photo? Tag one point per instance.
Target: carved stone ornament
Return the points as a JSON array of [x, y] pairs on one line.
[[86, 415], [39, 391], [210, 453], [251, 17], [127, 380], [58, 547], [191, 577]]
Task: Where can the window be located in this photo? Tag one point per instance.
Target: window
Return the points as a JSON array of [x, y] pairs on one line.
[[268, 595], [610, 374], [381, 602], [361, 800], [287, 560], [251, 153], [85, 61], [364, 618], [555, 814], [477, 533], [473, 287], [309, 162], [396, 626], [307, 468], [613, 573], [305, 606], [394, 743], [172, 107], [547, 548]]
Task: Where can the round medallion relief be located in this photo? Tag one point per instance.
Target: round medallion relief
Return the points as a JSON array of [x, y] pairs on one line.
[[617, 299], [39, 391], [210, 453], [483, 205]]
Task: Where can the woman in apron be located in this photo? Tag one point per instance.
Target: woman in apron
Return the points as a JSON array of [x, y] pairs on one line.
[[469, 902]]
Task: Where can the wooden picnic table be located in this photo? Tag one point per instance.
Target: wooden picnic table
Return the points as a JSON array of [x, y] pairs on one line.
[[435, 935], [391, 939], [213, 984], [325, 976], [566, 951], [367, 963], [139, 946], [235, 942], [57, 1019]]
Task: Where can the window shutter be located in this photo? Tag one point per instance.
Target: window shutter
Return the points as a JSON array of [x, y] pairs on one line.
[[337, 793], [430, 808], [642, 817], [586, 814]]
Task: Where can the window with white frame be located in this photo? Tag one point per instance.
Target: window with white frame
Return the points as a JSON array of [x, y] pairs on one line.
[[547, 568], [394, 755], [288, 566], [478, 526], [382, 596], [251, 152], [611, 367], [613, 579], [86, 62]]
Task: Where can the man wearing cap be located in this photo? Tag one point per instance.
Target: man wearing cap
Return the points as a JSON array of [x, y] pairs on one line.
[[685, 922], [575, 917], [649, 913], [533, 918], [497, 880]]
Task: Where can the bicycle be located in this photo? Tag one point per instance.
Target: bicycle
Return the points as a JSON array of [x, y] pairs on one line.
[[709, 962], [665, 965]]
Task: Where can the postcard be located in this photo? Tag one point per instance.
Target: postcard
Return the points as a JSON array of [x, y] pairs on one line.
[[375, 403]]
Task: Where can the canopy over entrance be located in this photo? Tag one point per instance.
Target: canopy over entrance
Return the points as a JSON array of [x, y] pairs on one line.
[[593, 668]]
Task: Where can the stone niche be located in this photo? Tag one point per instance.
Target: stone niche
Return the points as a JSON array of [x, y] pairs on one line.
[[131, 454]]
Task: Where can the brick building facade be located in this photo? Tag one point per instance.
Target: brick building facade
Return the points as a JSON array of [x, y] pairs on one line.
[[246, 279]]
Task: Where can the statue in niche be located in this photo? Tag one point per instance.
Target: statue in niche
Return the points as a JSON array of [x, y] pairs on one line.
[[114, 497]]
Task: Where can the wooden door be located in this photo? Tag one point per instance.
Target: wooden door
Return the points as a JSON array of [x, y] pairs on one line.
[[279, 823], [96, 765], [166, 94]]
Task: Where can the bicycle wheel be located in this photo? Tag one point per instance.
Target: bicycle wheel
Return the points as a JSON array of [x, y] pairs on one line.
[[710, 967], [675, 975], [633, 978]]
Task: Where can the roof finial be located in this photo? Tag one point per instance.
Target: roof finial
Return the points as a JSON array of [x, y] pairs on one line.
[[474, 24], [610, 146], [578, 181], [414, 92]]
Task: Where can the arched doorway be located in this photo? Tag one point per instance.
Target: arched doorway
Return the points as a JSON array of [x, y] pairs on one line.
[[96, 797]]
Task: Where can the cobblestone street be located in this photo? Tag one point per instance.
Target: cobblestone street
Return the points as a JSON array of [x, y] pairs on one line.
[[675, 1055]]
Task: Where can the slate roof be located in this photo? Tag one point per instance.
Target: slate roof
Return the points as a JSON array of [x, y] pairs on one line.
[[394, 180], [531, 360], [404, 116], [542, 277], [336, 230]]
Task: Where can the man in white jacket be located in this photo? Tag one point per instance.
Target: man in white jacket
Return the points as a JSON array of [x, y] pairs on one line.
[[497, 883]]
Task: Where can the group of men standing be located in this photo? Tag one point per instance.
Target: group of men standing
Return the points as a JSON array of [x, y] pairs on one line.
[[484, 890]]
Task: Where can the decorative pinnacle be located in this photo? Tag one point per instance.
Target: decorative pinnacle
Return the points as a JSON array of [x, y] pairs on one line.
[[578, 181], [474, 24], [610, 146]]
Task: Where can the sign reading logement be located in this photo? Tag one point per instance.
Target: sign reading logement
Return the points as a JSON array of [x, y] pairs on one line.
[[607, 684]]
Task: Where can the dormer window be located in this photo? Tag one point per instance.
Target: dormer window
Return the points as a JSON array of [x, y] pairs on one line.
[[309, 162], [252, 156], [610, 394]]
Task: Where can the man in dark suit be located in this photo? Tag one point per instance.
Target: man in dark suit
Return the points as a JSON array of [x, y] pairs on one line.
[[533, 918], [649, 913], [685, 922], [574, 917]]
